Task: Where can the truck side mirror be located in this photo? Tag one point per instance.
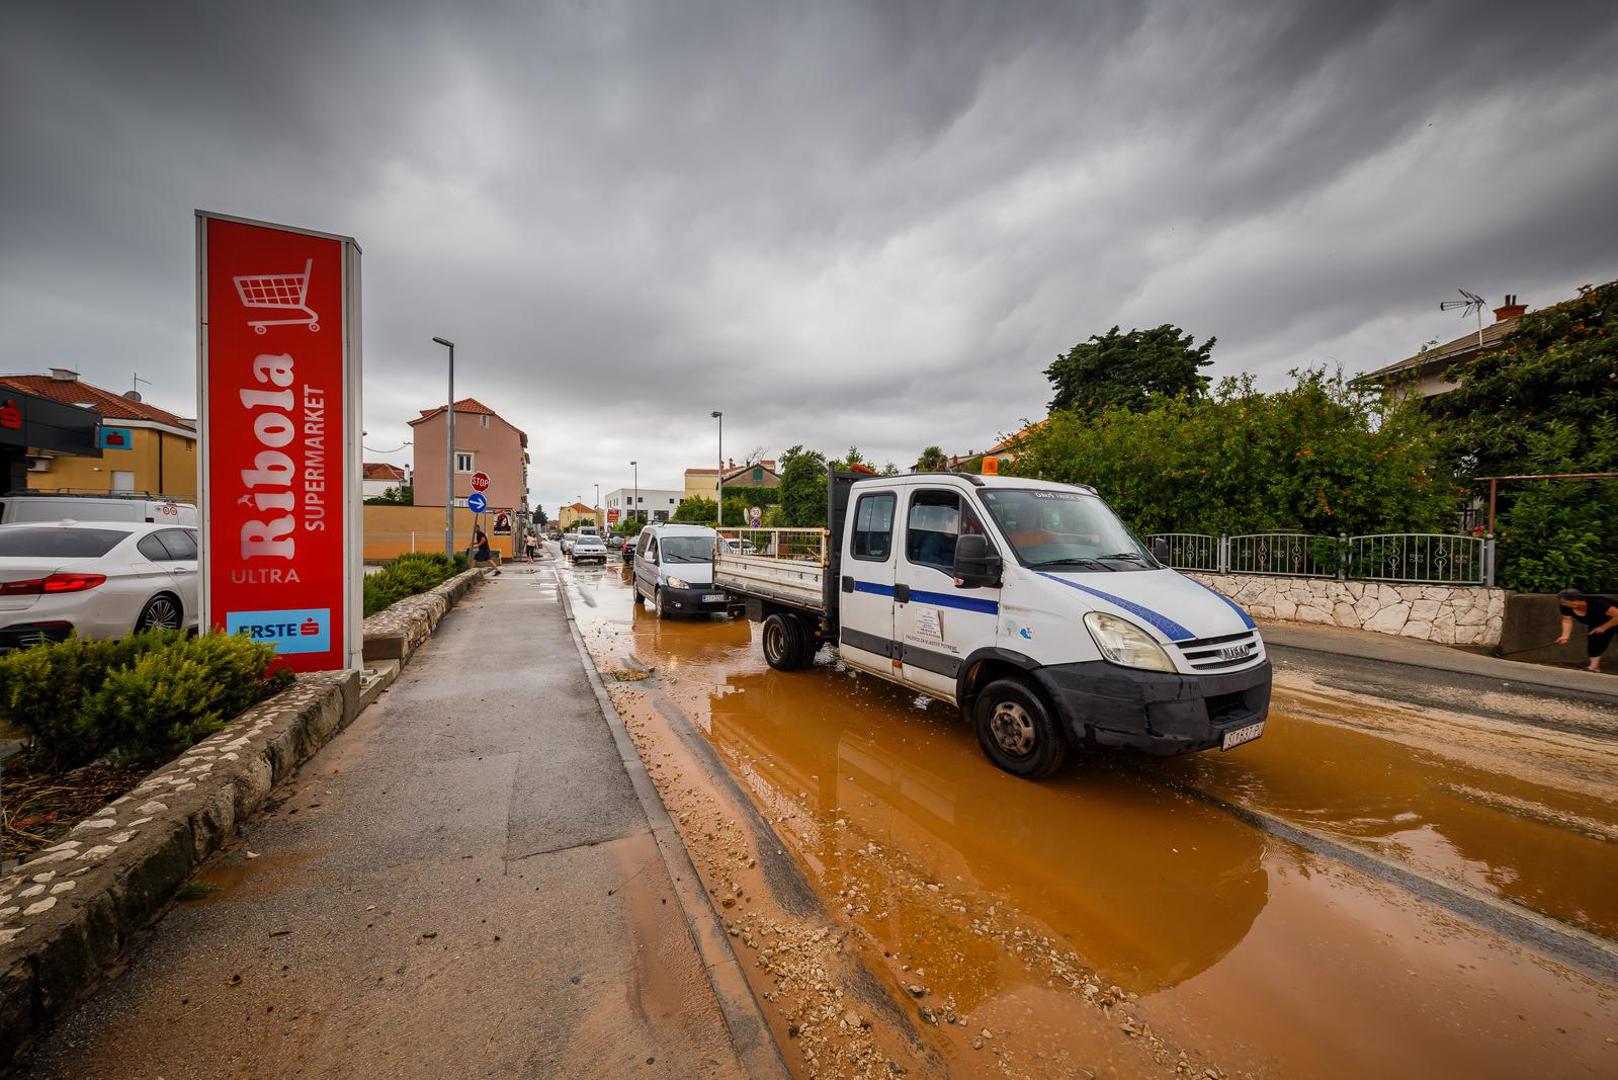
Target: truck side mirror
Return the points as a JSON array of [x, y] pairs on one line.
[[977, 565], [1160, 550]]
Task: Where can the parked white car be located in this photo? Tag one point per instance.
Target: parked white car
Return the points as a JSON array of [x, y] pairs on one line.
[[589, 548], [101, 579]]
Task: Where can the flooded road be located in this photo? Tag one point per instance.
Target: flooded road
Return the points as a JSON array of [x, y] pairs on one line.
[[1073, 921]]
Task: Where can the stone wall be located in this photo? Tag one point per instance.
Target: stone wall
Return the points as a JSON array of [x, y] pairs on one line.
[[1444, 614]]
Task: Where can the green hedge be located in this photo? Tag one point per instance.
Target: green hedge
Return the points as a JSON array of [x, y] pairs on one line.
[[408, 575], [141, 698]]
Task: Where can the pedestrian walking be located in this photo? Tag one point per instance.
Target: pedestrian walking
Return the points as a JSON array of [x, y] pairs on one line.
[[1599, 613], [484, 557], [530, 546]]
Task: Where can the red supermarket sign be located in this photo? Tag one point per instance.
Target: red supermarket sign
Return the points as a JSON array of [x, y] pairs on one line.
[[279, 379]]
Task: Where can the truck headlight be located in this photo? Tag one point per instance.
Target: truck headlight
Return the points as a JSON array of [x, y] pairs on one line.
[[1126, 644], [677, 583]]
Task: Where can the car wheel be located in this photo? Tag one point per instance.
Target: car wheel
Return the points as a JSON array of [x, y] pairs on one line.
[[657, 603], [162, 612], [1017, 731], [787, 646]]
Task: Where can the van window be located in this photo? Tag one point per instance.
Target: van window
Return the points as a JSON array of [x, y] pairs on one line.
[[937, 519], [687, 549], [651, 550], [643, 544], [873, 527]]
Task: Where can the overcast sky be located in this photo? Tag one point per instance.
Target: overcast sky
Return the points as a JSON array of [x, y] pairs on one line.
[[865, 223]]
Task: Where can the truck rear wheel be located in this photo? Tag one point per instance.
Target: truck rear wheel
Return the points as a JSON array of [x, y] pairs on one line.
[[1017, 731], [787, 643]]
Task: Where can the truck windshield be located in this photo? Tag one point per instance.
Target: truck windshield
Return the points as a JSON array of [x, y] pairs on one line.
[[687, 549], [1065, 530]]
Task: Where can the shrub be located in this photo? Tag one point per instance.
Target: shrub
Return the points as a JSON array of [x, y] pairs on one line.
[[139, 698], [408, 575]]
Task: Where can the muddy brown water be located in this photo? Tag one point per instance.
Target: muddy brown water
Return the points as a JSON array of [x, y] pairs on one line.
[[1262, 955]]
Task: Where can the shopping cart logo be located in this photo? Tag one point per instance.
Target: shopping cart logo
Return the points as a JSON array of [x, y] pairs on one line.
[[278, 292]]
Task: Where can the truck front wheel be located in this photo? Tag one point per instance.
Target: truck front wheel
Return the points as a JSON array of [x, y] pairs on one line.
[[787, 646], [1017, 731]]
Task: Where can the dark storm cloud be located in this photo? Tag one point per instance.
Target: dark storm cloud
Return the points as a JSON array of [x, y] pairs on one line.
[[840, 223]]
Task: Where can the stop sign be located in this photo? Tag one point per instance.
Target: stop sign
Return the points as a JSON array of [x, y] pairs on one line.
[[480, 481]]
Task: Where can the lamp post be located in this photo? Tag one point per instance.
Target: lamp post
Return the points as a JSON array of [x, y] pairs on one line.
[[449, 456], [595, 509], [719, 478], [636, 466]]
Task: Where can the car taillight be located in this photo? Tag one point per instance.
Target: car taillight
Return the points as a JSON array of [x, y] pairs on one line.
[[31, 587], [60, 583]]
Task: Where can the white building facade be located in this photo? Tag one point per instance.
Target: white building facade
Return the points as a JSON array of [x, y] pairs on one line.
[[656, 504]]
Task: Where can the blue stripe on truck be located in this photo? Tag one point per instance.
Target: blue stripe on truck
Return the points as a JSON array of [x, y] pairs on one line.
[[1174, 630], [1246, 618], [917, 596]]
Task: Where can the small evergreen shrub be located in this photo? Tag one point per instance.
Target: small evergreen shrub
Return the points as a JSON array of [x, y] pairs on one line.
[[408, 575], [136, 699]]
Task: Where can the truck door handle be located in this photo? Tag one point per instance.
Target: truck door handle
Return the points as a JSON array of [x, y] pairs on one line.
[[848, 583], [901, 594]]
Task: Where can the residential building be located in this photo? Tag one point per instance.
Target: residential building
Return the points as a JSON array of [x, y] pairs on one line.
[[379, 476], [656, 504], [575, 514], [138, 447], [484, 442], [701, 483], [1427, 372]]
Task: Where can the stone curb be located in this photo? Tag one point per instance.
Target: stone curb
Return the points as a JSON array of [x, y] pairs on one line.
[[397, 631], [70, 914]]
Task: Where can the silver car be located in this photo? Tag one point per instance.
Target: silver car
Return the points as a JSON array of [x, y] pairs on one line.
[[100, 579]]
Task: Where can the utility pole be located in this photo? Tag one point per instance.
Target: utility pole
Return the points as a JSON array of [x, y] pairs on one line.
[[596, 510], [636, 466], [719, 478], [449, 456]]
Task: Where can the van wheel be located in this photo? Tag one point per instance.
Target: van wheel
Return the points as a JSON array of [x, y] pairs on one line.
[[162, 612], [657, 603], [1017, 731], [787, 646]]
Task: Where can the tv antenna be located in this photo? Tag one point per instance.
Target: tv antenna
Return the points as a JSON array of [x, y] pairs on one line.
[[1473, 304], [134, 389]]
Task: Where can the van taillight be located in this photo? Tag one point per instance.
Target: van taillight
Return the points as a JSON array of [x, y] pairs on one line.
[[56, 583]]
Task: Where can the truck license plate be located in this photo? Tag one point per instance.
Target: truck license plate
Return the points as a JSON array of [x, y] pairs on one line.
[[712, 598], [1241, 735]]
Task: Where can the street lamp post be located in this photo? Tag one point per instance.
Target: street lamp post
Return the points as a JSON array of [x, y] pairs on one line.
[[449, 457], [596, 510], [719, 479], [636, 466]]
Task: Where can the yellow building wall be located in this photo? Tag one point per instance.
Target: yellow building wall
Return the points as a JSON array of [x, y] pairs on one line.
[[390, 531], [567, 517], [700, 486], [177, 454]]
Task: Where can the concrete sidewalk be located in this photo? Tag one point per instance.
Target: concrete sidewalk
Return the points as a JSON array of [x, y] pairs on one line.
[[465, 883], [1387, 649]]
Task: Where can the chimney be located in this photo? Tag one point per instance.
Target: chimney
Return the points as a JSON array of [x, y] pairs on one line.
[[1510, 309], [62, 374]]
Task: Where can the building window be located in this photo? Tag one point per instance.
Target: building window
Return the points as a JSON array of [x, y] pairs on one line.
[[464, 461], [484, 420]]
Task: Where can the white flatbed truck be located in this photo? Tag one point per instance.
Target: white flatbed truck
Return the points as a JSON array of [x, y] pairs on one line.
[[1026, 604]]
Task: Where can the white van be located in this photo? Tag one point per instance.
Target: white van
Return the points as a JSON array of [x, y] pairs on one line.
[[66, 506], [674, 570], [1027, 604]]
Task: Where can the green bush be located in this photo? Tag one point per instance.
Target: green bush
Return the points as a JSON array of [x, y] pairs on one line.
[[140, 698], [408, 575]]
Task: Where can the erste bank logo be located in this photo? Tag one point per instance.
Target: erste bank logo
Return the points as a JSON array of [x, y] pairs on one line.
[[295, 630]]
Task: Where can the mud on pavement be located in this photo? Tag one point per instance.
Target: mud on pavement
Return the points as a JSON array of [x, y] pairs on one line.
[[1099, 924]]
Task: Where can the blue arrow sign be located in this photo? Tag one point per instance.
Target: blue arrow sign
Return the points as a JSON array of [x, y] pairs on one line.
[[476, 503]]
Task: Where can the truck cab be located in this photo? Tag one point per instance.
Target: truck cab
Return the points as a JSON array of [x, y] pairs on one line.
[[1031, 607]]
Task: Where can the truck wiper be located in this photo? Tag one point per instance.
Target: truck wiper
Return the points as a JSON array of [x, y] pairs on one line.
[[1123, 555], [1077, 561]]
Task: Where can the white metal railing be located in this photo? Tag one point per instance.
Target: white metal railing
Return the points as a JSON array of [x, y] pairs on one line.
[[796, 545], [1414, 558]]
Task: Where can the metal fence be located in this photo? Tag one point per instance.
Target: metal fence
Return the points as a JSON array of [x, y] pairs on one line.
[[1413, 558]]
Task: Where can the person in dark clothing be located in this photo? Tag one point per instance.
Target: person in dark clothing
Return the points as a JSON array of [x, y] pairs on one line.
[[1599, 613], [484, 557]]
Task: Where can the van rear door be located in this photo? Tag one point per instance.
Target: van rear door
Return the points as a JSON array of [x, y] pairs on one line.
[[865, 603]]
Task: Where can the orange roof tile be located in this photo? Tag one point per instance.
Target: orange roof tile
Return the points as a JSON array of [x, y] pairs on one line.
[[111, 405]]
